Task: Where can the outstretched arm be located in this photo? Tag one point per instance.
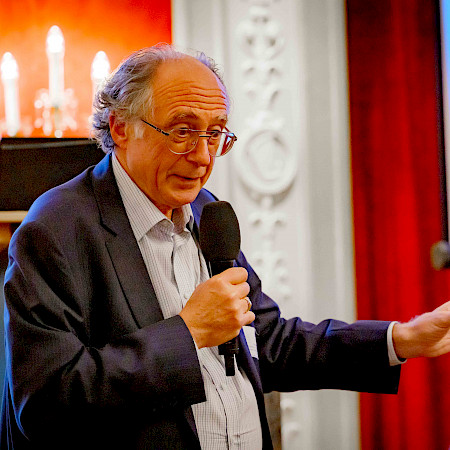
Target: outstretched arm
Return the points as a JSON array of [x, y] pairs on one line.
[[426, 335]]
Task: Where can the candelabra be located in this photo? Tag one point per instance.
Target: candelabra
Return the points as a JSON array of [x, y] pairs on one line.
[[56, 107]]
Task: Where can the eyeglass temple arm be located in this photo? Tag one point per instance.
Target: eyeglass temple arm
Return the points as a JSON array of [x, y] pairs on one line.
[[156, 128]]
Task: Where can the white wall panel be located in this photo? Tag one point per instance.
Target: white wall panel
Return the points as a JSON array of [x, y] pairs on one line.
[[288, 177]]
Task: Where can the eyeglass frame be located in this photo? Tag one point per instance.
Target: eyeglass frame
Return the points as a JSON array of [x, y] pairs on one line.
[[166, 133]]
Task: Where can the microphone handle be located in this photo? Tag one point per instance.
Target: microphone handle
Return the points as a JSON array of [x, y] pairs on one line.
[[230, 348]]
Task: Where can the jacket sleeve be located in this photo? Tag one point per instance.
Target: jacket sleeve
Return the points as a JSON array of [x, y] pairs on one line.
[[294, 354], [53, 370]]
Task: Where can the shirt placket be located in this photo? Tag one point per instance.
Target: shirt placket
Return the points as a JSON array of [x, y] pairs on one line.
[[185, 270]]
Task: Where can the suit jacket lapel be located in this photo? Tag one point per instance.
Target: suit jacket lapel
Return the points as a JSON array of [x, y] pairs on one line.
[[123, 248]]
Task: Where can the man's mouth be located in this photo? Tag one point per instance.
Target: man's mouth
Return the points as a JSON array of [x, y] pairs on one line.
[[189, 178]]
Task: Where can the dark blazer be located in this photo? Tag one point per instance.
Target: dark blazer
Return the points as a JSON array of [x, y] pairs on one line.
[[92, 364]]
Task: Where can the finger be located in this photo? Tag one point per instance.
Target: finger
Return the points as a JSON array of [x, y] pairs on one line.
[[249, 317], [246, 304], [235, 275], [243, 289]]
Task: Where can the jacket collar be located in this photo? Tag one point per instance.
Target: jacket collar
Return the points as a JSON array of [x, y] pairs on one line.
[[123, 248]]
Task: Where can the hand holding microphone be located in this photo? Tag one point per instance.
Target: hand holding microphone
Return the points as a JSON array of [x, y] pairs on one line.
[[219, 308]]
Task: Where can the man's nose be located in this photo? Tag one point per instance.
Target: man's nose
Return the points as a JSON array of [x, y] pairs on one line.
[[200, 153]]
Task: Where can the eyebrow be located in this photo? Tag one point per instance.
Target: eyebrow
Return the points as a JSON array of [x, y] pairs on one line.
[[190, 115]]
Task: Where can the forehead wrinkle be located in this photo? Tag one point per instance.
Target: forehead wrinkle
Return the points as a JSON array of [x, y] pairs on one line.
[[192, 101], [219, 113], [199, 102], [191, 115], [188, 85], [195, 95], [181, 88], [189, 90], [183, 84]]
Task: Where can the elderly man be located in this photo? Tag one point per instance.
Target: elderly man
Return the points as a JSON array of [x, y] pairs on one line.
[[112, 320]]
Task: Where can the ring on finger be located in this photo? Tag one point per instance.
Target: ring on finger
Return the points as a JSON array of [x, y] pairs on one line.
[[249, 304]]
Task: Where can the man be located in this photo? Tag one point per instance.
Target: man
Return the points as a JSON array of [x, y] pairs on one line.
[[112, 320]]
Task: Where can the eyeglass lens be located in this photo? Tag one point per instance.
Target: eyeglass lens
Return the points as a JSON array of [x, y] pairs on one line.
[[183, 141]]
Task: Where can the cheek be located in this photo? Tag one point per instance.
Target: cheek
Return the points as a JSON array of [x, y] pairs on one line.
[[208, 172], [144, 168], [161, 169]]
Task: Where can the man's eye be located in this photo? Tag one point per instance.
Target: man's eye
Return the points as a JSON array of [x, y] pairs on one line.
[[181, 133], [214, 135]]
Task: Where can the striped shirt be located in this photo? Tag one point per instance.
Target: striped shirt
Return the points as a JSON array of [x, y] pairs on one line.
[[229, 419]]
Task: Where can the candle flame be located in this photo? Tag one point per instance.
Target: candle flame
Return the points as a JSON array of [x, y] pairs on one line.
[[100, 67], [9, 67], [55, 40]]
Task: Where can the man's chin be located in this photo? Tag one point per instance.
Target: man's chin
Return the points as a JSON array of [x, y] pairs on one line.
[[185, 190], [185, 197]]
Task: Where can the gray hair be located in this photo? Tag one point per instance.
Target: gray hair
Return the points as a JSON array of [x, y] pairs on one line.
[[127, 93]]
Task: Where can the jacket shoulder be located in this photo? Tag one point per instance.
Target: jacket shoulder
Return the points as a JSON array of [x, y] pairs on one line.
[[68, 199], [203, 197]]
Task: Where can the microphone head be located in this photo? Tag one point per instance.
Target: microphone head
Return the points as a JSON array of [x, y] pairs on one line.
[[220, 237]]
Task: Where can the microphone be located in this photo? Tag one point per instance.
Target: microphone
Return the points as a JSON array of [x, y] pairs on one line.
[[220, 241]]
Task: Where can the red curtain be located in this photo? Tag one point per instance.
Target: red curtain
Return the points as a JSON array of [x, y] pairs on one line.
[[393, 49]]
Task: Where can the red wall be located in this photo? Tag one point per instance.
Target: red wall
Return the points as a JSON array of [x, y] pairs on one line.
[[115, 26]]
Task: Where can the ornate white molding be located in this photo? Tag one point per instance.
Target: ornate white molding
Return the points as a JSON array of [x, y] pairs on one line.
[[264, 161], [291, 426], [269, 263], [266, 164]]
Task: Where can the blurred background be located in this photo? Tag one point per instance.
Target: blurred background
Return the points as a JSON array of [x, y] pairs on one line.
[[338, 175]]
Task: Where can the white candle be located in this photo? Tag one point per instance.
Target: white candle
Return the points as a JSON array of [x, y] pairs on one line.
[[100, 70], [55, 54], [10, 76]]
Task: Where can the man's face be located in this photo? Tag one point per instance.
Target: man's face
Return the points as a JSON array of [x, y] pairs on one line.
[[186, 93]]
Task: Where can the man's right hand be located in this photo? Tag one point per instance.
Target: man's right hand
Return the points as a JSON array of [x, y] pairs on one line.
[[218, 309]]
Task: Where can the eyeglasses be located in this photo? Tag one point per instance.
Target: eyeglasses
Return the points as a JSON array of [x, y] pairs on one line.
[[181, 140]]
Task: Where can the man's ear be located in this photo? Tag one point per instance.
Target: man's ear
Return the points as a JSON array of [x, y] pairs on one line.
[[118, 130]]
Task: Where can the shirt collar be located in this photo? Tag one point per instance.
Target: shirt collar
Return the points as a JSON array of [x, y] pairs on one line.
[[141, 212]]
